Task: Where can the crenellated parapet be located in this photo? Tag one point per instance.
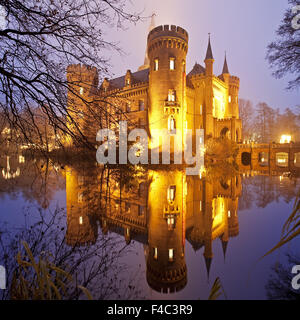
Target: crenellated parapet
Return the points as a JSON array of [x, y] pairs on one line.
[[168, 36]]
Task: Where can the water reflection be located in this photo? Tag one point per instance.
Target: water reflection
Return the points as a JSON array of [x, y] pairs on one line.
[[159, 209]]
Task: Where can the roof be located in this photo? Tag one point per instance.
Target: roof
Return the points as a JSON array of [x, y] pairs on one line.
[[197, 69], [209, 54], [225, 67], [137, 77]]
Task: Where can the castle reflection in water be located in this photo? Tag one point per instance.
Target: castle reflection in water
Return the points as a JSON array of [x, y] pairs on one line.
[[160, 209]]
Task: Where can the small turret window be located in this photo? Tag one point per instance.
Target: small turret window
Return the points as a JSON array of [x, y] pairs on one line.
[[155, 253], [156, 64], [171, 254], [172, 63], [229, 99]]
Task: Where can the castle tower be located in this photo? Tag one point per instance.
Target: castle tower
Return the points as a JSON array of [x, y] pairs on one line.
[[82, 85], [166, 268], [209, 94], [81, 225], [167, 50]]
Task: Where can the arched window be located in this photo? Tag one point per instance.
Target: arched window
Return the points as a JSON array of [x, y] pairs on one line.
[[156, 64], [171, 124]]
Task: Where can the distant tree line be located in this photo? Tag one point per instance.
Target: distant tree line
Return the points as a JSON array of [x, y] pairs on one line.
[[262, 123]]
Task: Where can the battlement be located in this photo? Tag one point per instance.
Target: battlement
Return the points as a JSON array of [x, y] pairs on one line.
[[234, 81], [78, 73], [81, 68], [165, 281], [168, 31]]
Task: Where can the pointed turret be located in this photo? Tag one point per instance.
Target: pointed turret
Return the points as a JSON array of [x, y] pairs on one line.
[[224, 246], [209, 54], [225, 67], [208, 265], [209, 59]]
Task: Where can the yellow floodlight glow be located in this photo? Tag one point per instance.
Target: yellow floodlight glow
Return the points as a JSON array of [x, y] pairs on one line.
[[285, 138]]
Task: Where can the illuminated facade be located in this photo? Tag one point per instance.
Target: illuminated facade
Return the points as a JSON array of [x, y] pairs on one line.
[[160, 95], [160, 209]]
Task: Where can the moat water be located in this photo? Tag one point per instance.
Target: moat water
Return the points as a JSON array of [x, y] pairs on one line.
[[132, 233]]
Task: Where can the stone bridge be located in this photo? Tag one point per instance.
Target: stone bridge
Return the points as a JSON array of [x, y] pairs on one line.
[[270, 157]]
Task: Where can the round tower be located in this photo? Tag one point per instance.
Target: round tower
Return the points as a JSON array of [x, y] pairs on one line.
[[234, 86], [166, 267], [167, 49]]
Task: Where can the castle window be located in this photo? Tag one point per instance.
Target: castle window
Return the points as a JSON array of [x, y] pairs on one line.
[[200, 205], [171, 222], [127, 82], [171, 254], [80, 220], [80, 197], [229, 99], [141, 105], [171, 124], [141, 210], [81, 91], [155, 253], [155, 64], [171, 193], [127, 207], [172, 63], [172, 95], [128, 107]]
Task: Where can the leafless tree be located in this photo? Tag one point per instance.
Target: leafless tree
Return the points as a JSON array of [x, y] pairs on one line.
[[284, 53], [38, 41]]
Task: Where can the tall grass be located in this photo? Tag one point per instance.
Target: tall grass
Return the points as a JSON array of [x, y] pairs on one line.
[[39, 280], [291, 228]]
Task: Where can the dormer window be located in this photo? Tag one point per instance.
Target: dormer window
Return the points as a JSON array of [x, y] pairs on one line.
[[172, 63], [128, 78], [172, 95], [156, 64]]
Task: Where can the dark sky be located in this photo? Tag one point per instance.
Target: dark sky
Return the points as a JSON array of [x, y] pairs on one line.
[[243, 28]]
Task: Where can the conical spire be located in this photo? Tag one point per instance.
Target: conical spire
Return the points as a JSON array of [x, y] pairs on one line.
[[208, 265], [225, 67], [209, 54], [224, 246]]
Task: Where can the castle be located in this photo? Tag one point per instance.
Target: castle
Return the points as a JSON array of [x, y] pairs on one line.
[[160, 95]]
